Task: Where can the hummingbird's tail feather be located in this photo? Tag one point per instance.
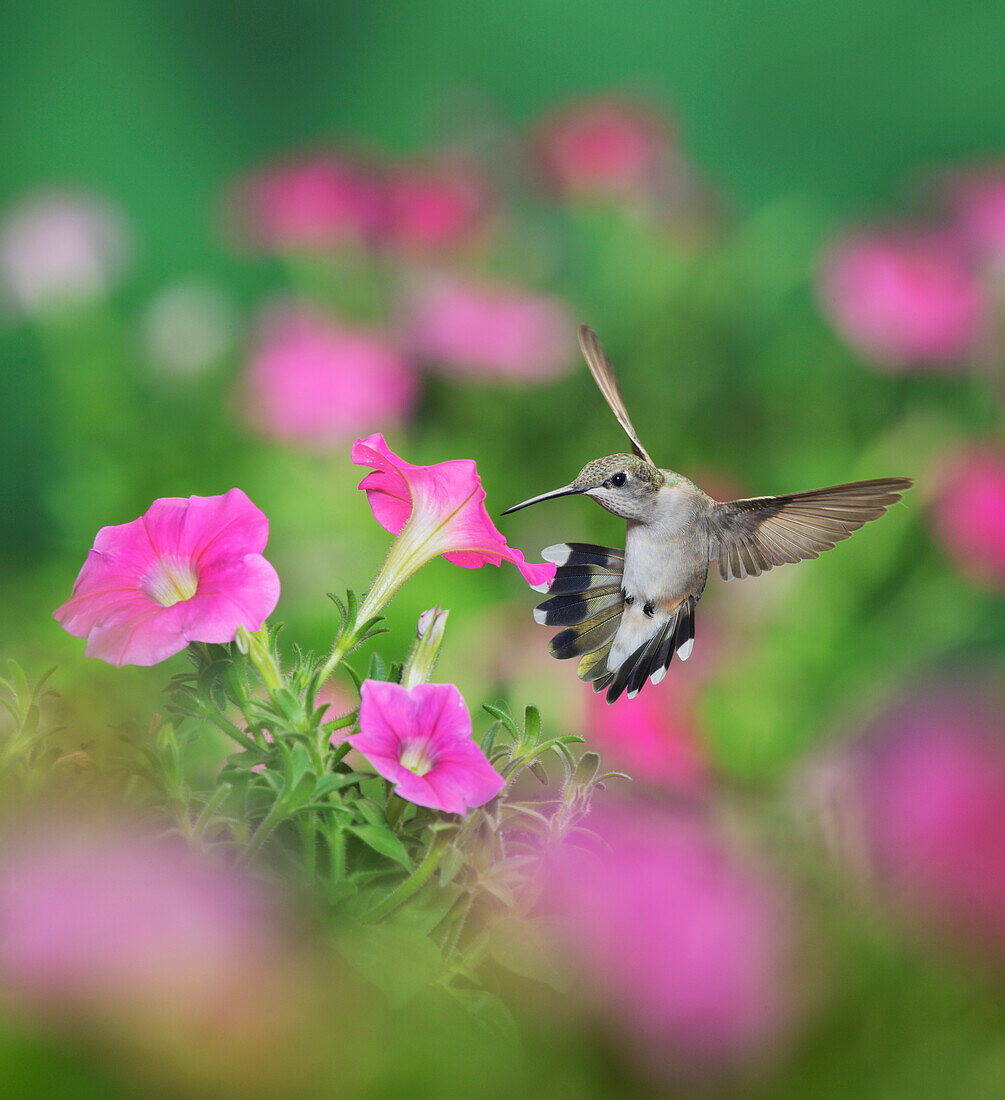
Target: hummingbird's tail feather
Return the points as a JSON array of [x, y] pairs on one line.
[[651, 659], [572, 554], [587, 599]]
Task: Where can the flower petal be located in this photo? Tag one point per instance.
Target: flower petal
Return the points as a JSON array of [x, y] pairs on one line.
[[447, 500], [217, 539], [391, 717]]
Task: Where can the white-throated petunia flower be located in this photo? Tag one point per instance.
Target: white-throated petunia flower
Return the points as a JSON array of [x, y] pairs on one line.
[[185, 571], [433, 510], [420, 740]]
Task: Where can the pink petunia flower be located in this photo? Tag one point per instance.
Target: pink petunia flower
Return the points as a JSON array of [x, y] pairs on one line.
[[433, 510], [420, 740], [488, 330], [605, 146], [313, 203], [902, 298], [58, 247], [185, 571], [315, 383], [434, 208], [682, 945], [969, 513]]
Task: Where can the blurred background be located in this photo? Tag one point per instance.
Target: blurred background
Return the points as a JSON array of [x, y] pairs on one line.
[[235, 237]]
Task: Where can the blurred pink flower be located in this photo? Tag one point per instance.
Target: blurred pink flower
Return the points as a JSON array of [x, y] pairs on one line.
[[606, 147], [185, 571], [976, 199], [682, 945], [87, 917], [434, 510], [318, 384], [60, 247], [316, 202], [420, 740], [902, 297], [488, 330], [434, 207], [657, 741], [969, 513], [933, 790]]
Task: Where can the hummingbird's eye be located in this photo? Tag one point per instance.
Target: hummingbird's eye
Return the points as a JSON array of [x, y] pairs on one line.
[[618, 480]]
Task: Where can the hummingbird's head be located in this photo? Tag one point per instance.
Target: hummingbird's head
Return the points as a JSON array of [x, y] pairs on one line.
[[623, 484]]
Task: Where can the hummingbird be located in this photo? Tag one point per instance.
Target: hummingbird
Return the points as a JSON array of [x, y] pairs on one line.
[[626, 613]]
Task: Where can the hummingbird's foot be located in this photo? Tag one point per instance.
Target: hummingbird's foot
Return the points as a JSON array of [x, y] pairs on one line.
[[629, 600], [649, 609]]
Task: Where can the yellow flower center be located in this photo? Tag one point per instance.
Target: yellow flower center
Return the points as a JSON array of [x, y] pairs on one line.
[[171, 581], [416, 756]]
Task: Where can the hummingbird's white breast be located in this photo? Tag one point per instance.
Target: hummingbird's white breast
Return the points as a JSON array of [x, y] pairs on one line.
[[666, 560]]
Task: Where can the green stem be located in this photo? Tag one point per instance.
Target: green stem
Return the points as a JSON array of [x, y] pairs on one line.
[[264, 830], [413, 883], [208, 810], [336, 845]]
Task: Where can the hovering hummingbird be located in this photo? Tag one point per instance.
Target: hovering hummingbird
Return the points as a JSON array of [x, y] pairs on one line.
[[625, 613]]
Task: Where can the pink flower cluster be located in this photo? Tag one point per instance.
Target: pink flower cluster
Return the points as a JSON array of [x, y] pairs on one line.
[[332, 200], [918, 296]]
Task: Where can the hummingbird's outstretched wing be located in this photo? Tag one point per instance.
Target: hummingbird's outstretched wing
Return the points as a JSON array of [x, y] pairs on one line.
[[586, 599], [603, 375], [748, 537]]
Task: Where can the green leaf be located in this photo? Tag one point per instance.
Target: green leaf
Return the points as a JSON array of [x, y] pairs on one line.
[[378, 670], [328, 783], [384, 842], [491, 1013], [399, 961], [372, 812], [501, 716], [532, 949], [531, 727], [452, 862]]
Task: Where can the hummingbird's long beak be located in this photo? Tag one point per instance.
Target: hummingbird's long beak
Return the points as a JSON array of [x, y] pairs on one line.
[[566, 490]]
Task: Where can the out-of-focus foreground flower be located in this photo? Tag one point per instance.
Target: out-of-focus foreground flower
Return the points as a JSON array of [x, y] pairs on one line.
[[433, 510], [487, 330], [60, 248], [186, 570], [903, 298], [918, 806], [420, 740], [604, 147], [683, 946], [89, 917], [318, 384], [969, 513]]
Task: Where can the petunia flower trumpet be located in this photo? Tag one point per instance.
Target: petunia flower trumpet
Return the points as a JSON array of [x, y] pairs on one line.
[[420, 740], [185, 571]]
